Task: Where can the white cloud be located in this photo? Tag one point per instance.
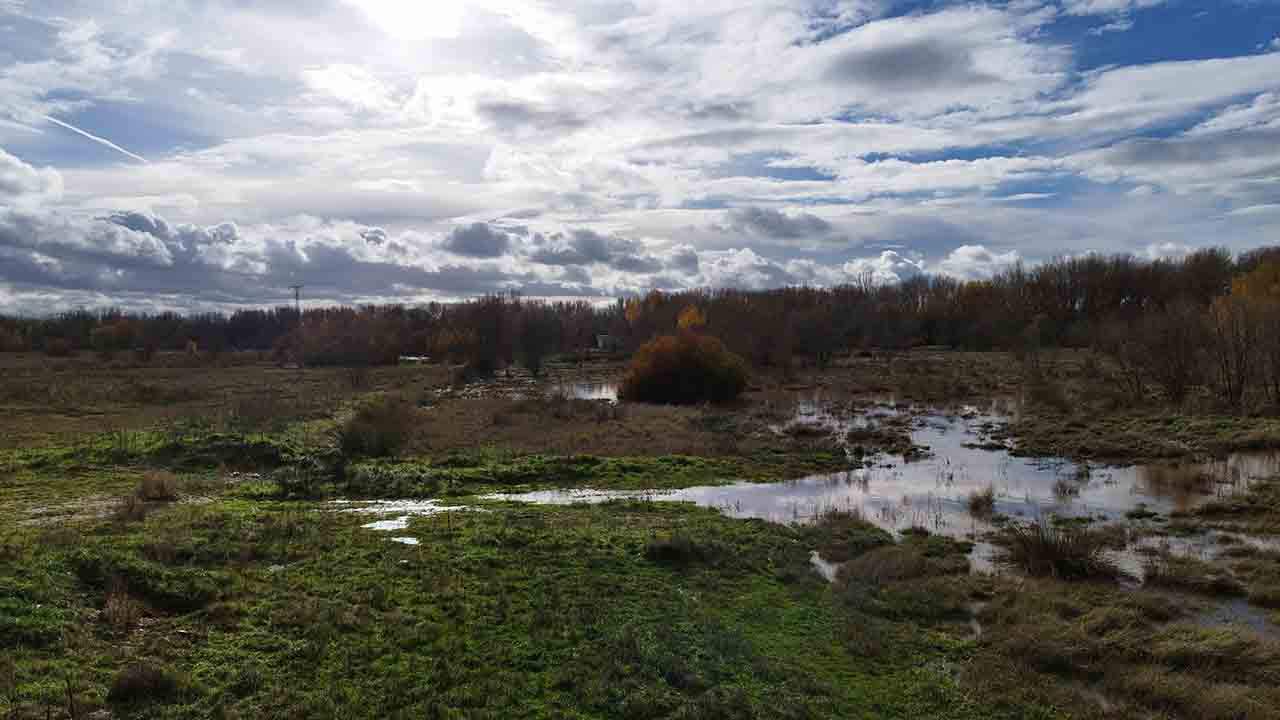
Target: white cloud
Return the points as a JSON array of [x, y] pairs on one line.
[[889, 266], [1107, 7], [975, 262]]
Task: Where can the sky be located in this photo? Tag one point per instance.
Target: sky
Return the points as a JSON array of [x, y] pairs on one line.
[[199, 155]]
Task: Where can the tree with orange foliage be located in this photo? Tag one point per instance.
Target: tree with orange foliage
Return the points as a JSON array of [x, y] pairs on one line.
[[1259, 290], [684, 369], [691, 318]]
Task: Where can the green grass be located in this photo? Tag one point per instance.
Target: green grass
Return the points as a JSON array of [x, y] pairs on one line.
[[272, 609], [470, 473]]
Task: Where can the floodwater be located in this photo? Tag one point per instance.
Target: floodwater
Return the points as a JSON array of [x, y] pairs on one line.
[[933, 490], [402, 510], [589, 391]]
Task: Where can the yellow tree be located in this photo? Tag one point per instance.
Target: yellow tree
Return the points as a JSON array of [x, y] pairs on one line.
[[691, 318], [1259, 292]]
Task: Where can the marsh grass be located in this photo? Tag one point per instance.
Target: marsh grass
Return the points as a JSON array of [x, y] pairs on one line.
[[982, 503], [1110, 652], [263, 410], [120, 610], [379, 427], [1186, 573], [1065, 552]]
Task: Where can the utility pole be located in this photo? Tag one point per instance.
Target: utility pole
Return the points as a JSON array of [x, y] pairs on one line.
[[297, 301]]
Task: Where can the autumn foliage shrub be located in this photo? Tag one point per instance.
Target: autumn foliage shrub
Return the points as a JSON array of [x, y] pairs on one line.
[[686, 368]]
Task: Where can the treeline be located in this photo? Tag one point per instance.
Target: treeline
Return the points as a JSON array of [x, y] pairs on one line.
[[1210, 304]]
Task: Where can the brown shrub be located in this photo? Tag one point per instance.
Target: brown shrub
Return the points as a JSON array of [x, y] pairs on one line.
[[684, 369], [120, 610], [59, 347], [131, 509], [144, 682], [379, 428], [158, 485]]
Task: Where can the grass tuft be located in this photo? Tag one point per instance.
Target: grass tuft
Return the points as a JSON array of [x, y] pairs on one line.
[[1066, 552], [982, 503]]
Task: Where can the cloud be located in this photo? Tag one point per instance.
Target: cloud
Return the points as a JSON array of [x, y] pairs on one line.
[[477, 240], [923, 64], [611, 146], [514, 115], [1107, 7], [778, 225], [21, 183], [587, 247], [889, 266], [975, 262]]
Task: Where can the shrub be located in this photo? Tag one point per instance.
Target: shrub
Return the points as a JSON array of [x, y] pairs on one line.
[[684, 369], [379, 428], [143, 682], [1063, 552], [131, 509], [59, 347], [120, 610], [158, 485], [680, 549]]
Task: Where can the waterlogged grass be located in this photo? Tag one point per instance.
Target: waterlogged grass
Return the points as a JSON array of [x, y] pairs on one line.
[[265, 609], [1098, 651], [1135, 436], [478, 472]]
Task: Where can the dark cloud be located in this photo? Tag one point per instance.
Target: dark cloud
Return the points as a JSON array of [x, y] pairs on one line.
[[477, 240], [511, 115], [374, 236], [588, 247], [924, 64], [1195, 149], [719, 111], [778, 225]]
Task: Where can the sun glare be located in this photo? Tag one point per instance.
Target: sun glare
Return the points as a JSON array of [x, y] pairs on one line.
[[415, 19]]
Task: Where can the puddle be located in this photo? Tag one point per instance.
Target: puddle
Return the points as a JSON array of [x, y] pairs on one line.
[[933, 490], [589, 391], [402, 509], [405, 540], [400, 523]]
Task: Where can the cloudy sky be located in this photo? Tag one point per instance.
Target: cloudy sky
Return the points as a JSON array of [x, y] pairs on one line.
[[203, 154]]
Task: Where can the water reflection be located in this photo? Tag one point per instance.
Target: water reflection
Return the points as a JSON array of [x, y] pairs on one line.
[[934, 490], [589, 391]]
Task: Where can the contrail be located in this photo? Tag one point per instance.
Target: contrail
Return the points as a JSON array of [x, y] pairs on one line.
[[95, 138]]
